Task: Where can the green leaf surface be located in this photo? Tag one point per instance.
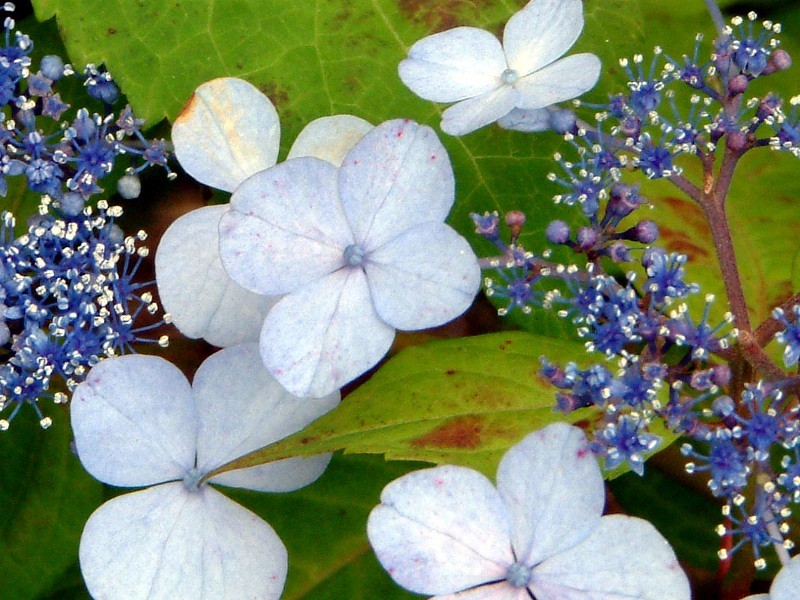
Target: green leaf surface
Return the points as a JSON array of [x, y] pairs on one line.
[[462, 401], [324, 529], [45, 500], [318, 58]]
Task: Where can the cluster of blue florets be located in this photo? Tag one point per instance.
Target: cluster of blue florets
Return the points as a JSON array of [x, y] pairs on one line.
[[69, 295], [58, 155], [668, 366]]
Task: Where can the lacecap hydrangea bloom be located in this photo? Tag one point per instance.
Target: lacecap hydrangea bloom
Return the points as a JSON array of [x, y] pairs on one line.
[[786, 584], [229, 131], [138, 422], [512, 82], [356, 252], [448, 532]]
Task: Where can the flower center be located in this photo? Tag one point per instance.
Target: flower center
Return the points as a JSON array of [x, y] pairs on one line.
[[353, 255], [191, 481], [518, 575], [509, 76]]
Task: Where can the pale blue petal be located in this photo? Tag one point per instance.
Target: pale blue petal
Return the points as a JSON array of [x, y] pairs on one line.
[[786, 582], [330, 138], [623, 558], [528, 121], [423, 278], [469, 115], [453, 65], [165, 543], [226, 132], [554, 491], [324, 335], [565, 79], [241, 408], [134, 422], [203, 301], [286, 227], [441, 530], [541, 32], [397, 176]]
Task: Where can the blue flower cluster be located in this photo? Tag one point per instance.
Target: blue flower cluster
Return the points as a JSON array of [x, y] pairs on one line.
[[69, 296], [54, 155], [671, 367]]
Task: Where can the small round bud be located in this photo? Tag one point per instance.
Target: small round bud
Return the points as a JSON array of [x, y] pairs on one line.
[[72, 204], [721, 375], [738, 85], [515, 220], [779, 60], [52, 67], [557, 232], [737, 141], [623, 201], [562, 121], [646, 232], [587, 238], [129, 186]]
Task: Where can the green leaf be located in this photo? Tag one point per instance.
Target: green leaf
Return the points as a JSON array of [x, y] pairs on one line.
[[45, 501], [324, 529], [462, 401], [320, 58]]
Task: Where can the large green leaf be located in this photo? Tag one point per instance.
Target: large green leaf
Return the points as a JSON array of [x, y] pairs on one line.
[[321, 58], [45, 500], [462, 401]]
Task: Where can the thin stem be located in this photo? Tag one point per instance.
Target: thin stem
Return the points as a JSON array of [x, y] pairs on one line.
[[686, 186], [716, 16], [754, 354]]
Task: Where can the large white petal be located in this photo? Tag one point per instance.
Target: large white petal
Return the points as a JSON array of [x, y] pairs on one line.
[[541, 32], [286, 227], [787, 582], [469, 115], [324, 335], [554, 490], [197, 292], [623, 558], [529, 121], [241, 408], [330, 138], [423, 278], [134, 422], [165, 543], [441, 530], [226, 132], [397, 176], [567, 78], [453, 65]]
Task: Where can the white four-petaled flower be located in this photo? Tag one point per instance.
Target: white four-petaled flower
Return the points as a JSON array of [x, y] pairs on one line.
[[229, 131], [356, 252], [138, 422], [512, 82], [448, 532]]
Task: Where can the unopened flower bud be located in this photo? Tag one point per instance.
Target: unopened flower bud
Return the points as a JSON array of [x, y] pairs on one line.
[[587, 238], [557, 232], [737, 141], [646, 232], [738, 85], [515, 219], [779, 60]]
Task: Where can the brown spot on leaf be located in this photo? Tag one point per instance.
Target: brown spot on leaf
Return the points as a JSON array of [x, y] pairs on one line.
[[438, 15], [111, 31], [450, 372], [460, 432], [679, 241], [689, 213], [277, 94]]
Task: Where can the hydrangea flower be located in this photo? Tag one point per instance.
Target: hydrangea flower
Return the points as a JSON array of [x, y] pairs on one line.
[[785, 584], [138, 422], [448, 532], [515, 80], [229, 131], [358, 251]]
